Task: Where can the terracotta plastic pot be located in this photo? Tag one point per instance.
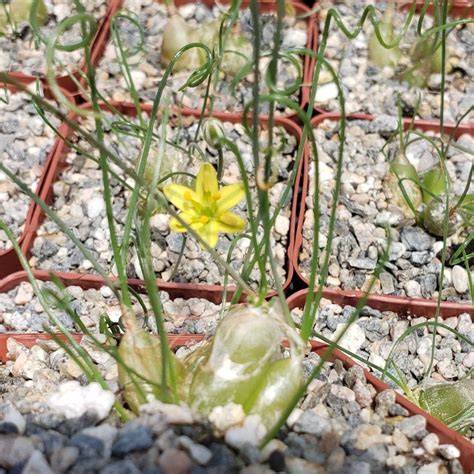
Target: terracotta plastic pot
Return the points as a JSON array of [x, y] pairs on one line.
[[128, 109], [97, 48], [458, 9], [212, 293], [433, 425], [9, 262], [403, 303], [265, 7]]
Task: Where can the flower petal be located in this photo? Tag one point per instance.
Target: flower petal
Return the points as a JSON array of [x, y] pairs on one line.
[[210, 233], [176, 226], [206, 181], [180, 196], [230, 196], [230, 222], [190, 219]]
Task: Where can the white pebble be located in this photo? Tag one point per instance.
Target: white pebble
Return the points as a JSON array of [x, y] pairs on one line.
[[223, 418], [72, 400]]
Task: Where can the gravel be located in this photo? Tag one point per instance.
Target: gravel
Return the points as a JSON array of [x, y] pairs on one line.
[[366, 208], [18, 52], [78, 201], [369, 89], [146, 69], [25, 142], [376, 334], [332, 430], [192, 315]]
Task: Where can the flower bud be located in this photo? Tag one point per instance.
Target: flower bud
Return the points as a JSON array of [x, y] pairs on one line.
[[213, 132]]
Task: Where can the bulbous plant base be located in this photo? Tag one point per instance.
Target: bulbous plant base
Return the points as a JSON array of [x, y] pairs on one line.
[[243, 363], [452, 403]]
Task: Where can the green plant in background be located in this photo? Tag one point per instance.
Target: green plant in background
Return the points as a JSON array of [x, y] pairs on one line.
[[413, 64], [425, 54], [378, 53], [16, 12], [244, 361], [452, 403], [428, 196], [178, 34]]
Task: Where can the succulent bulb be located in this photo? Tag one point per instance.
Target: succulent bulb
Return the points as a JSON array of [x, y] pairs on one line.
[[449, 402], [20, 11], [425, 60], [213, 132], [434, 184], [243, 364], [176, 35], [437, 62], [435, 214], [402, 176], [237, 51], [140, 351], [378, 54]]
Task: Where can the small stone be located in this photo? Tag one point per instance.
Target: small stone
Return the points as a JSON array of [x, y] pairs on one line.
[[73, 400], [14, 449], [227, 416], [132, 439], [282, 224], [362, 263], [174, 461], [311, 423], [449, 451], [340, 395], [121, 467], [413, 425], [175, 414], [37, 464], [353, 339], [431, 468], [10, 416], [24, 294], [383, 401], [94, 207], [366, 436], [415, 238], [326, 92], [401, 442], [62, 459], [363, 394], [251, 432], [198, 452], [301, 466], [413, 289], [460, 279], [397, 462], [430, 442]]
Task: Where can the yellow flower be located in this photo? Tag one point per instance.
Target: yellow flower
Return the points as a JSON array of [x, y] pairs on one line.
[[206, 209]]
